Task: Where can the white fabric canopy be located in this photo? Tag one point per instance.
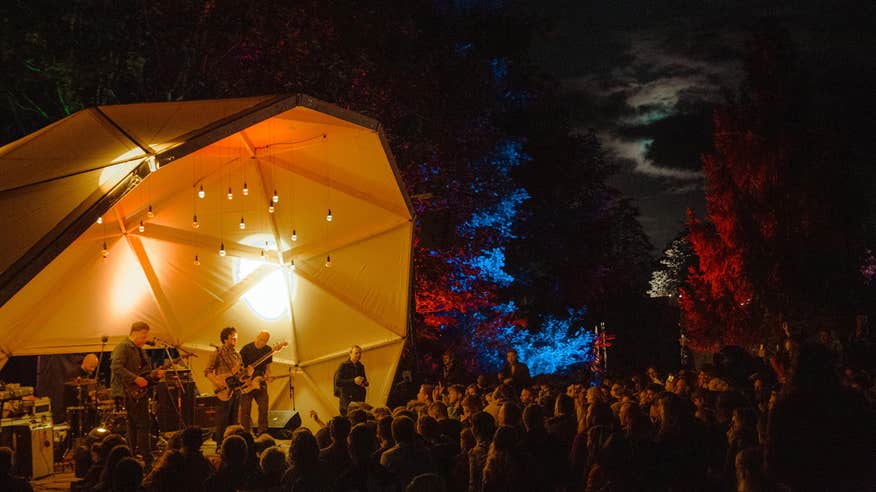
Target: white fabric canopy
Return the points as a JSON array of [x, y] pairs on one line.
[[60, 294]]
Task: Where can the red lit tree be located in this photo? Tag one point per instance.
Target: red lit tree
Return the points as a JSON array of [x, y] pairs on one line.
[[777, 242]]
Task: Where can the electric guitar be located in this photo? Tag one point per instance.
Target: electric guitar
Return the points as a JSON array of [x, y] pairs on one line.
[[151, 377], [226, 384], [256, 383]]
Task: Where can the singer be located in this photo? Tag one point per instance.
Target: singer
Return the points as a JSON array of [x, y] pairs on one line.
[[350, 380], [128, 365]]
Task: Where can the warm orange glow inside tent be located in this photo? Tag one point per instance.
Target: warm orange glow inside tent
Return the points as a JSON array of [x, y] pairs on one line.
[[60, 295]]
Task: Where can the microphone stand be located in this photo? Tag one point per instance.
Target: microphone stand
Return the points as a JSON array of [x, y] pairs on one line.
[[180, 390], [291, 389], [103, 341]]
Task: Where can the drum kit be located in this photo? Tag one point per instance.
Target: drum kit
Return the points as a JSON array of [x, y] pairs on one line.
[[95, 408]]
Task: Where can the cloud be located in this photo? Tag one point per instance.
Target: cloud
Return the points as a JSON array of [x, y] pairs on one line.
[[636, 151]]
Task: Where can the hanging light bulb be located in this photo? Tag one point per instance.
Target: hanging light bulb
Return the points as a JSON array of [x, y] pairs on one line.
[[328, 261], [230, 194], [104, 251], [270, 207], [245, 189], [195, 223], [292, 265], [276, 197], [201, 193], [197, 261], [100, 220], [222, 249], [142, 227], [149, 213], [242, 224], [263, 255], [294, 235], [328, 216]]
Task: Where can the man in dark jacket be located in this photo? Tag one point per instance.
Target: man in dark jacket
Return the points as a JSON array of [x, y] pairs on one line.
[[515, 372], [350, 381]]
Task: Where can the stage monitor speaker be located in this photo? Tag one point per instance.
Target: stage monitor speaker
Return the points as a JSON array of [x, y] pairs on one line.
[[33, 447], [171, 400], [205, 411], [281, 423]]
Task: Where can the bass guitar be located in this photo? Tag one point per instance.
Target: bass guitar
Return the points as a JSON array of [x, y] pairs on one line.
[[256, 383], [226, 384]]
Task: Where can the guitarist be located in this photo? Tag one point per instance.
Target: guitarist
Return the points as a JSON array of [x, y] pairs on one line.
[[224, 362], [128, 362], [250, 353]]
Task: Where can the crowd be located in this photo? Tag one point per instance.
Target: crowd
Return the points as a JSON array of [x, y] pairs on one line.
[[720, 428]]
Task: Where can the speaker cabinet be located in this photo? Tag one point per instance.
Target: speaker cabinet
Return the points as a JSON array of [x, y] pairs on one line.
[[34, 449], [281, 423], [205, 411], [175, 405]]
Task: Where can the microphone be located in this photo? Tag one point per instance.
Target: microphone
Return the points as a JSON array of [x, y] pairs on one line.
[[104, 339]]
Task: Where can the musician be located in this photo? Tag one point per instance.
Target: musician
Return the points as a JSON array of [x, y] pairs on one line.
[[86, 369], [129, 366], [350, 380], [81, 381], [225, 362], [250, 353]]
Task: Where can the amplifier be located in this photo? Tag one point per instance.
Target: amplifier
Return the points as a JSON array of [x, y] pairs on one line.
[[205, 411], [33, 446], [175, 405]]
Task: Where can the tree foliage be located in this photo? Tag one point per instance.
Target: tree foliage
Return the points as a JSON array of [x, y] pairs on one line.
[[777, 243], [510, 205]]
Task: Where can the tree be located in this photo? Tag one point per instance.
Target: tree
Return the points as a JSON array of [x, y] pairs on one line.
[[777, 243], [677, 260]]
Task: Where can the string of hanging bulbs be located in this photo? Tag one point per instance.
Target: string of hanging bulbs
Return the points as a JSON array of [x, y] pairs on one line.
[[196, 223]]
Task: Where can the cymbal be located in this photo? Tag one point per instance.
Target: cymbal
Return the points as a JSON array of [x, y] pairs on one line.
[[81, 382]]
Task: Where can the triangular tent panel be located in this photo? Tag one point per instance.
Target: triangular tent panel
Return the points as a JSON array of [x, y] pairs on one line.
[[316, 236]]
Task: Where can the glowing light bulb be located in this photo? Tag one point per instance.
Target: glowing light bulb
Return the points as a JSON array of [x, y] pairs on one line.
[[263, 255], [242, 224], [270, 207], [142, 227], [294, 235], [230, 194], [292, 265], [328, 216], [104, 251], [276, 197], [197, 261], [222, 249], [245, 189], [201, 193], [328, 261], [100, 220], [149, 213], [195, 223]]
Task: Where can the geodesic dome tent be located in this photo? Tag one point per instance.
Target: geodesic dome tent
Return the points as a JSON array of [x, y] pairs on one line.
[[105, 223]]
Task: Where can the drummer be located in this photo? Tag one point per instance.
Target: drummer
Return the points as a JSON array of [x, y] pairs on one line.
[[81, 382], [86, 369]]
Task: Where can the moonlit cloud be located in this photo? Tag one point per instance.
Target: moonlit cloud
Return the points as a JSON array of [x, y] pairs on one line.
[[635, 151]]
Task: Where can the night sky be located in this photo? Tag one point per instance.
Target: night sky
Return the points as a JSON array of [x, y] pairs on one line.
[[645, 75]]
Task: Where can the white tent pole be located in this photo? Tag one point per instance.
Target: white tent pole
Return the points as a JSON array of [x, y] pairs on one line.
[[178, 236], [293, 341], [341, 187], [346, 352], [155, 288], [232, 295], [306, 252]]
